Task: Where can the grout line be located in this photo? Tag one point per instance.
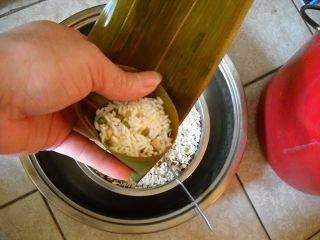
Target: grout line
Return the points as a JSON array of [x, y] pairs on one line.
[[254, 209], [309, 238], [18, 198], [261, 77], [19, 8], [307, 25], [54, 218]]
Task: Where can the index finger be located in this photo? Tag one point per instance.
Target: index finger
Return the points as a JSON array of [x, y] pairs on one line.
[[83, 150]]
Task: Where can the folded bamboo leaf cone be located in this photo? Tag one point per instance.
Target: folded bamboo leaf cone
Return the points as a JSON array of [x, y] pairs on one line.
[[86, 111]]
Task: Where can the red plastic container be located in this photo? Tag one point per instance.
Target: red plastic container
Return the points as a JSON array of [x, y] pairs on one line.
[[290, 119]]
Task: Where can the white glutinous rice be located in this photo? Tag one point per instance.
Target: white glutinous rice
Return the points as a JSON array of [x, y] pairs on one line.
[[139, 128], [179, 156]]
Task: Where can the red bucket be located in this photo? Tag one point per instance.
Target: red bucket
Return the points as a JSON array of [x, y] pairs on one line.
[[289, 122]]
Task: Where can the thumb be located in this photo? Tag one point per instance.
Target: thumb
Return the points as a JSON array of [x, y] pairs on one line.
[[117, 84]]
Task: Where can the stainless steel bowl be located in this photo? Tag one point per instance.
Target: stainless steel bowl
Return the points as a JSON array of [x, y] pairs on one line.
[[202, 108], [66, 186]]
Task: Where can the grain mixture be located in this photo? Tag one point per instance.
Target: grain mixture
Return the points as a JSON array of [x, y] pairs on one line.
[[180, 155], [138, 128]]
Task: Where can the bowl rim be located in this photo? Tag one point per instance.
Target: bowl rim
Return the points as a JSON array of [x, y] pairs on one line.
[[202, 108]]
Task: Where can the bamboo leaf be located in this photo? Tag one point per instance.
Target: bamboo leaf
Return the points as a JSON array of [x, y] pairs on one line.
[[183, 39]]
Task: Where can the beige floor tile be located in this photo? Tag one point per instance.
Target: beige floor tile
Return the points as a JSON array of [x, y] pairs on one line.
[[285, 212], [28, 218], [14, 182], [54, 10], [315, 15], [232, 217], [8, 5], [271, 33]]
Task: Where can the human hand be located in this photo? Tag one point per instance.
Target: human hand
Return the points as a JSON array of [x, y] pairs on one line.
[[44, 69]]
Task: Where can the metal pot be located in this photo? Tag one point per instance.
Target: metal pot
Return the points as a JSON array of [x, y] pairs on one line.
[[68, 187]]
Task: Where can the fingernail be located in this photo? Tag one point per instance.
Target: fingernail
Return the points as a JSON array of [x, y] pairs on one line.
[[152, 81], [159, 77]]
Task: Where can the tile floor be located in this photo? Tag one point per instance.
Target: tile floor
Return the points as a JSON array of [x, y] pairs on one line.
[[256, 205]]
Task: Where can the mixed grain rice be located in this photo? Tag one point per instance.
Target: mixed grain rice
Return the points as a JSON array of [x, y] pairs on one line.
[[139, 128], [179, 157]]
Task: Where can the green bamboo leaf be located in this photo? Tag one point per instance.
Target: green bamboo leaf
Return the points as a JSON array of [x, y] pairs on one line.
[[184, 40]]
